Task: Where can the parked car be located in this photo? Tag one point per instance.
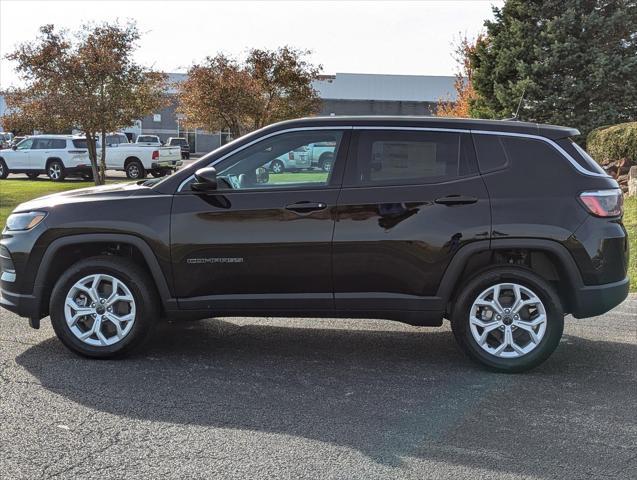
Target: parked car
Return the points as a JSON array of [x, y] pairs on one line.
[[181, 143], [139, 159], [501, 227], [17, 140], [148, 140], [59, 156], [5, 139], [319, 155]]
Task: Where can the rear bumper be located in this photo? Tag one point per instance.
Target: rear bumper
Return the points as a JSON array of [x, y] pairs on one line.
[[166, 164], [593, 300]]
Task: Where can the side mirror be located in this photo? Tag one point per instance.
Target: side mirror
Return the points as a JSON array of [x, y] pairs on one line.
[[14, 147], [205, 180]]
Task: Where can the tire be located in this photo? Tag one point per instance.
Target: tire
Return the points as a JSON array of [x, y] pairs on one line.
[[158, 173], [33, 175], [521, 352], [55, 171], [277, 166], [326, 161], [135, 170], [4, 171], [145, 310]]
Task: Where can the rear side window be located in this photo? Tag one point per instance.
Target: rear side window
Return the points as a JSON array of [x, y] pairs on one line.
[[580, 155], [491, 152], [80, 143], [411, 157], [57, 144]]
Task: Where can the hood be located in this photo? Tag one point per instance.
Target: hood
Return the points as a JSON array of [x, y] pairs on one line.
[[89, 194]]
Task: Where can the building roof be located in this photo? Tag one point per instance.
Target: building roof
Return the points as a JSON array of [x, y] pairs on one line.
[[371, 86], [380, 87]]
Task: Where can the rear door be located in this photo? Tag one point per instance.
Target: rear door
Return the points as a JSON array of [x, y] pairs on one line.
[[262, 240], [410, 200]]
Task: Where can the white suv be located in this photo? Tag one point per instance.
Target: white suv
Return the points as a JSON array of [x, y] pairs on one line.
[[59, 156]]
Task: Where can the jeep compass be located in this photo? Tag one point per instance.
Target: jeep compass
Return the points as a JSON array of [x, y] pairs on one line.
[[501, 227]]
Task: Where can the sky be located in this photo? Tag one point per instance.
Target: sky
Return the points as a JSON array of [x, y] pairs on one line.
[[391, 37]]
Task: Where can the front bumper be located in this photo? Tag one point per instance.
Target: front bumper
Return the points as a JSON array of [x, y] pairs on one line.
[[593, 300]]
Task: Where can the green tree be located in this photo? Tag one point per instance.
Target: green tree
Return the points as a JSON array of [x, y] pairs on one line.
[[86, 81], [576, 61]]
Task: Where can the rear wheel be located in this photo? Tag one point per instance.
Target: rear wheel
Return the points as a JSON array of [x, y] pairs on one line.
[[277, 166], [103, 307], [135, 170], [509, 319], [325, 162], [55, 171], [4, 171]]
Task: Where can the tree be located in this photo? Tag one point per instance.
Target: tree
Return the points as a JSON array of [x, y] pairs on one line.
[[221, 93], [576, 60], [87, 81], [463, 85]]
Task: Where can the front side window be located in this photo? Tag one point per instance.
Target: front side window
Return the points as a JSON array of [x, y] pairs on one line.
[[412, 157], [293, 159], [25, 144]]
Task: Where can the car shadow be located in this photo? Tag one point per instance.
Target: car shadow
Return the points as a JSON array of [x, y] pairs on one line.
[[388, 394]]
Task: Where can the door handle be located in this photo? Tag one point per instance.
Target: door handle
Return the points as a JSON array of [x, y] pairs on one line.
[[456, 200], [306, 207]]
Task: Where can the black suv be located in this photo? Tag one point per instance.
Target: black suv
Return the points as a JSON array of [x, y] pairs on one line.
[[501, 227]]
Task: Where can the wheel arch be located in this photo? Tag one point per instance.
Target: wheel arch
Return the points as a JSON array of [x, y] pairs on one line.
[[49, 160], [54, 261], [132, 159], [480, 255]]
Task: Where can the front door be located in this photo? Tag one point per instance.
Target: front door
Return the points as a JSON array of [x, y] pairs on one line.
[[262, 241], [410, 200], [21, 155]]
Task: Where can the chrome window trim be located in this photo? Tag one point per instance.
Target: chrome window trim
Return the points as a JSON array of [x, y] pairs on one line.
[[552, 143]]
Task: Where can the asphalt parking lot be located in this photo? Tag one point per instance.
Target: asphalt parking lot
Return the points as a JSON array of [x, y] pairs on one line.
[[298, 398]]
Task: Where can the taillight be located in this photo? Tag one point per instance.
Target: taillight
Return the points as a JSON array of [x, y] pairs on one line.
[[155, 154], [604, 203]]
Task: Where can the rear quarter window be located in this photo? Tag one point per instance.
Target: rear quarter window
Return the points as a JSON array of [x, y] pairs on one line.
[[580, 155]]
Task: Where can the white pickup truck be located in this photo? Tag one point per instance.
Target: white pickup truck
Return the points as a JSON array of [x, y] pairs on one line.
[[137, 160]]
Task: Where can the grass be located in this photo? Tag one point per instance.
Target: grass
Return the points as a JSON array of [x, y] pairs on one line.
[[14, 192], [630, 222]]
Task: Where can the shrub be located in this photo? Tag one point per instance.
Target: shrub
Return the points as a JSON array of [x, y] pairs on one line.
[[609, 145]]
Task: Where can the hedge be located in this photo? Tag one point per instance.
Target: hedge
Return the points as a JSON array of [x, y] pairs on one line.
[[610, 144]]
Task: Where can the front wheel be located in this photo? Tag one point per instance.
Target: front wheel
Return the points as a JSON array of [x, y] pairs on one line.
[[135, 170], [55, 171], [103, 307], [508, 318]]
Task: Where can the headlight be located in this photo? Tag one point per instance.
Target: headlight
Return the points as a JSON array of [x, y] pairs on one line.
[[24, 221]]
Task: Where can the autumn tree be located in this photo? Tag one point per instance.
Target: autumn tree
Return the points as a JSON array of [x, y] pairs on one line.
[[86, 81], [463, 84], [222, 93]]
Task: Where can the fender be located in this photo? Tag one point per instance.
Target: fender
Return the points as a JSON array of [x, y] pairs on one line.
[[153, 265], [456, 266]]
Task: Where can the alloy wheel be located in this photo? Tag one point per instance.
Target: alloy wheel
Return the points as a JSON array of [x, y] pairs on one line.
[[54, 171], [508, 320], [99, 310], [133, 171]]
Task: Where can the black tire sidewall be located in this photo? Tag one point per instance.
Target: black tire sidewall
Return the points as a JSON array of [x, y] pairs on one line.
[[138, 283], [5, 169], [521, 276], [140, 169]]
